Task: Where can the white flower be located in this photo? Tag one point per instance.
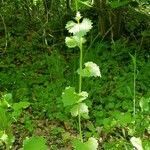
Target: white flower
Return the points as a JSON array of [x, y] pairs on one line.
[[137, 143], [93, 69]]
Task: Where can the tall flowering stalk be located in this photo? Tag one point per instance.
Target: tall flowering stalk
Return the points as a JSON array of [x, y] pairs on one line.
[[70, 97]]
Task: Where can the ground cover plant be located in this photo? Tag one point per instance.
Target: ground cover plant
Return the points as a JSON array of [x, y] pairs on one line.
[[74, 75]]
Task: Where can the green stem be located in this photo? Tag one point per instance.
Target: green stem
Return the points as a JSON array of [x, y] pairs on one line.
[[80, 88], [134, 95], [76, 3]]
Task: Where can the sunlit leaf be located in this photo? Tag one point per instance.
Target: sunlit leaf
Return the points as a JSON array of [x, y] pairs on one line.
[[35, 143], [70, 25], [81, 108], [137, 143], [90, 70], [145, 104], [71, 42], [91, 144], [69, 96]]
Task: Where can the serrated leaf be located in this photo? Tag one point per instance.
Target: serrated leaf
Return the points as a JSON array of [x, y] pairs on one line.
[[80, 29], [69, 96], [83, 95], [91, 144], [90, 70], [70, 25], [85, 27], [78, 145], [82, 108], [71, 42], [74, 41], [35, 143]]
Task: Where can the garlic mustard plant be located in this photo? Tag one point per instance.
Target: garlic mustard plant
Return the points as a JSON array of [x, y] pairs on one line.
[[70, 97]]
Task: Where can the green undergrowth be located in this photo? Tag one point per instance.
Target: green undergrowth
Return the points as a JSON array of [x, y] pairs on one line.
[[38, 77]]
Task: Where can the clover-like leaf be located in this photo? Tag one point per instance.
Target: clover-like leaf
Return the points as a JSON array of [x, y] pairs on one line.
[[90, 70], [81, 108], [137, 143]]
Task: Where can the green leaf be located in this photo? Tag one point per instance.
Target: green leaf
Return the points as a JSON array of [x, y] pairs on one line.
[[79, 29], [69, 96], [145, 104], [83, 95], [18, 107], [78, 145], [72, 41], [4, 119], [70, 25], [82, 108], [84, 27], [35, 143], [91, 144], [6, 99], [117, 4]]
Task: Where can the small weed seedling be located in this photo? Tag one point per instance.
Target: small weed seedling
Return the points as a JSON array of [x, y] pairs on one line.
[[70, 97]]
